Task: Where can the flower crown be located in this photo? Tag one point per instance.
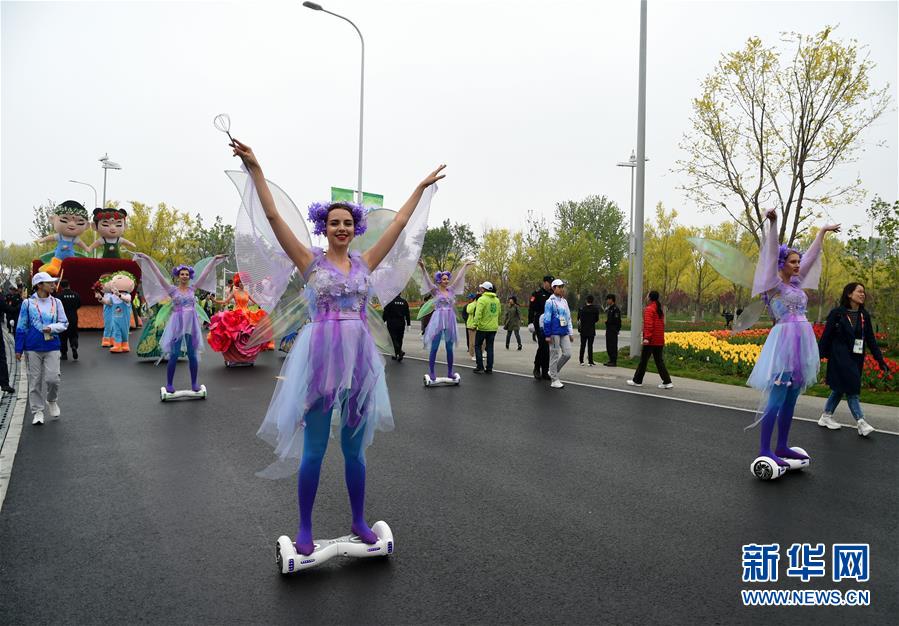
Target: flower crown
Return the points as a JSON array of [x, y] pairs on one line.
[[784, 252], [318, 215], [70, 207], [440, 275], [177, 270], [109, 214]]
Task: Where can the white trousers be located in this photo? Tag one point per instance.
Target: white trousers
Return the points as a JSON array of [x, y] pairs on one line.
[[43, 369], [559, 353]]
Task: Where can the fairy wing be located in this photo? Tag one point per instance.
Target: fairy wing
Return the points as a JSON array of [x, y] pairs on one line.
[[378, 329], [726, 260], [750, 315], [155, 289], [289, 315], [393, 273], [426, 308], [265, 268]]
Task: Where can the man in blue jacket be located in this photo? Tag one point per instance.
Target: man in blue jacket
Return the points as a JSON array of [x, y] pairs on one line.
[[41, 319]]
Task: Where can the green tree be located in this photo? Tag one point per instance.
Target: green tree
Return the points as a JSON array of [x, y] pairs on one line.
[[494, 255], [448, 245], [667, 253], [702, 279], [218, 238], [41, 224], [163, 233], [770, 127], [15, 261], [603, 222]]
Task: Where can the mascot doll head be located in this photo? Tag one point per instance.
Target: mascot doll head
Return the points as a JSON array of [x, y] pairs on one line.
[[110, 226]]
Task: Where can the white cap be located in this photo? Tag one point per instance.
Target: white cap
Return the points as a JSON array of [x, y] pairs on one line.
[[558, 283], [42, 277], [486, 285]]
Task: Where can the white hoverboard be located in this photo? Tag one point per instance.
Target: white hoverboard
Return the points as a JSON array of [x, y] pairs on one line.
[[183, 394], [442, 381], [766, 468], [290, 562]]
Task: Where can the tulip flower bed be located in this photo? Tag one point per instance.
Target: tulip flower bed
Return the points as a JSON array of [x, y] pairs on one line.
[[718, 356]]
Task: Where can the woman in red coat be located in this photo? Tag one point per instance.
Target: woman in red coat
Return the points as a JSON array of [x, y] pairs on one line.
[[653, 343]]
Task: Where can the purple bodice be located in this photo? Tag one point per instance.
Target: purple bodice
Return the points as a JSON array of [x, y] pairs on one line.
[[790, 303], [182, 300], [331, 292]]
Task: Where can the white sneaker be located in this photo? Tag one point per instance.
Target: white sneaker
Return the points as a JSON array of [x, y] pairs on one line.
[[38, 418], [666, 385], [633, 384], [864, 428], [583, 365], [556, 384], [474, 358], [53, 409], [827, 421]]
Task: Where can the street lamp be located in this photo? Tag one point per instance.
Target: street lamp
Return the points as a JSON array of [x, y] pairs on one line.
[[106, 164], [318, 7], [94, 189], [631, 163]]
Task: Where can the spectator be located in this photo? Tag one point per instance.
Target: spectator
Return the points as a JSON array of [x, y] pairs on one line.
[[728, 318], [397, 317], [847, 331], [613, 327], [41, 319], [512, 321], [653, 343], [4, 369], [470, 326], [535, 310], [486, 319], [557, 331], [71, 302], [14, 303], [587, 317]]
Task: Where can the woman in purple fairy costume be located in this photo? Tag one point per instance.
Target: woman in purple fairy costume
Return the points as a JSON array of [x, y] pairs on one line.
[[334, 371], [183, 324], [789, 359], [442, 326]]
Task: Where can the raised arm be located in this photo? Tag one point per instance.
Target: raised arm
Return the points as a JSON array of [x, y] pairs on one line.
[[766, 276], [126, 243], [810, 266], [210, 267], [459, 279], [150, 265], [429, 284], [83, 245], [47, 239], [374, 255], [301, 256]]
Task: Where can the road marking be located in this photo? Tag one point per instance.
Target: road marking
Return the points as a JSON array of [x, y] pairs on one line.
[[652, 395]]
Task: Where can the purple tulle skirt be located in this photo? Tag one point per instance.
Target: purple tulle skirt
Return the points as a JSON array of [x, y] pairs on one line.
[[442, 321], [335, 361], [790, 352], [182, 322]]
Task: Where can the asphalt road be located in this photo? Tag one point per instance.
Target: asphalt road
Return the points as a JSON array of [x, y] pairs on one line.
[[509, 503]]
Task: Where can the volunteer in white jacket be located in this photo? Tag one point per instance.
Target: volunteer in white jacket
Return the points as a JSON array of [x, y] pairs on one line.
[[557, 330], [41, 319]]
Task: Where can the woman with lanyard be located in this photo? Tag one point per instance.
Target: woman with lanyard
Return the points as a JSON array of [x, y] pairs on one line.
[[41, 319], [847, 331]]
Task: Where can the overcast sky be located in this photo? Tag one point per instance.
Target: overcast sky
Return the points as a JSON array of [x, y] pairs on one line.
[[529, 103]]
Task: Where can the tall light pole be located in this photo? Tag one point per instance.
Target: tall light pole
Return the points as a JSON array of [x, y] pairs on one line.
[[106, 164], [631, 163], [637, 285], [94, 189], [318, 7]]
